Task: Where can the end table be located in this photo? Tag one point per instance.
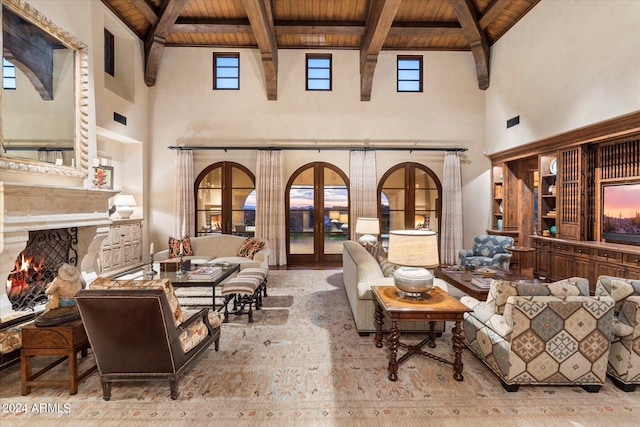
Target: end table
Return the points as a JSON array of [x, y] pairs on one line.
[[66, 340]]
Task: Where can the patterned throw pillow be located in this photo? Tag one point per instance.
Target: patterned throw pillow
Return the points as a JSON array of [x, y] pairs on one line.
[[387, 267], [250, 247], [376, 250], [501, 290], [174, 247]]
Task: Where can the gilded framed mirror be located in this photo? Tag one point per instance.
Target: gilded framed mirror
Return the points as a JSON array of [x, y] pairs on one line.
[[44, 120]]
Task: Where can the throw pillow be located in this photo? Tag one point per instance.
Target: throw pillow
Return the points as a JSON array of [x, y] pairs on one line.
[[376, 250], [250, 247], [388, 268], [501, 290], [174, 247]]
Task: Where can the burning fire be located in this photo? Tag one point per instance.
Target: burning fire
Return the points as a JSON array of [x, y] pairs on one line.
[[27, 271]]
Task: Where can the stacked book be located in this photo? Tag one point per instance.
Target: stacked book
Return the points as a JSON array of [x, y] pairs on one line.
[[482, 282], [204, 273]]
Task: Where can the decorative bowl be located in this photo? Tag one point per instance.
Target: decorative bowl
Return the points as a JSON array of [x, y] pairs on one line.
[[486, 272]]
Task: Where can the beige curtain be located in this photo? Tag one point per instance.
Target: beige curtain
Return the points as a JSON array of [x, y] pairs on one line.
[[184, 205], [270, 207], [451, 238], [363, 187]]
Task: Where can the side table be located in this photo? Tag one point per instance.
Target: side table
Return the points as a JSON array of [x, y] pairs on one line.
[[66, 340], [520, 250]]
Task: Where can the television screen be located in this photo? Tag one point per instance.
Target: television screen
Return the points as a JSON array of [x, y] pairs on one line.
[[621, 213]]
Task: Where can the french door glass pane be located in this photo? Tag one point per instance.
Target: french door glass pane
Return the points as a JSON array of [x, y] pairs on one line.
[[395, 180], [240, 197], [336, 212], [240, 178], [301, 216], [213, 179], [210, 198]]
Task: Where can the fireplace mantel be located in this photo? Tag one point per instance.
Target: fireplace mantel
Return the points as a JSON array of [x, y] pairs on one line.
[[31, 207]]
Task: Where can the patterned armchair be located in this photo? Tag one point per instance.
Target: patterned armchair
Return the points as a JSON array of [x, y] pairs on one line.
[[542, 333], [138, 331], [487, 250], [624, 357]]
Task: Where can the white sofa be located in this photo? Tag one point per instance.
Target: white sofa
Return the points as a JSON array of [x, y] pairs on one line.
[[218, 248], [361, 271]]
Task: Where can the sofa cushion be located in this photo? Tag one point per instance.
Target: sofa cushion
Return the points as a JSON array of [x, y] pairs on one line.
[[501, 290], [174, 247]]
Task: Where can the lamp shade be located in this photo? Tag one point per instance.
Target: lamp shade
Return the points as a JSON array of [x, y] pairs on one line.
[[414, 248], [125, 200], [367, 226]]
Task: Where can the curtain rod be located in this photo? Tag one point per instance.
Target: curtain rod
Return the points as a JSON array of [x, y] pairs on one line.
[[454, 149]]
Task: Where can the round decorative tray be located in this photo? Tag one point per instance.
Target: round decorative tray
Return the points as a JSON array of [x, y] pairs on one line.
[[486, 272]]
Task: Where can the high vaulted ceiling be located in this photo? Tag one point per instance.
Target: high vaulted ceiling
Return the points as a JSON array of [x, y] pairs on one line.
[[366, 25]]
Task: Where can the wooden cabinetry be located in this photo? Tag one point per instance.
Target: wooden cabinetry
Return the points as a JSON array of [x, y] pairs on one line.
[[548, 192], [558, 259], [122, 248], [497, 207]]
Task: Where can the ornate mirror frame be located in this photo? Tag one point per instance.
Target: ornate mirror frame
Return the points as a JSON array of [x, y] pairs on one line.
[[81, 108]]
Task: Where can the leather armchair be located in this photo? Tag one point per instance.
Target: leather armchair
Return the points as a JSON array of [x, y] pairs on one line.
[[138, 332], [487, 250], [624, 357]]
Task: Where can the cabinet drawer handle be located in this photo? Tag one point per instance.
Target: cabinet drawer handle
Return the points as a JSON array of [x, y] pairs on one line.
[[579, 251], [606, 255]]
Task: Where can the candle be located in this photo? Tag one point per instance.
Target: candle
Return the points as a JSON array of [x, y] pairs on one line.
[[181, 249], [96, 163], [151, 249]]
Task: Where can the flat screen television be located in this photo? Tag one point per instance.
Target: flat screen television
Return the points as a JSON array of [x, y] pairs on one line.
[[621, 213]]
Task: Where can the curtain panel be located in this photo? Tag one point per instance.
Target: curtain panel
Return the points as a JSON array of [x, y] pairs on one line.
[[363, 187], [451, 239], [184, 204], [270, 206]]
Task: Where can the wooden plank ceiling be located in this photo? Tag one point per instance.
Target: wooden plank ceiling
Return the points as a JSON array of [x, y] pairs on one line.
[[366, 25]]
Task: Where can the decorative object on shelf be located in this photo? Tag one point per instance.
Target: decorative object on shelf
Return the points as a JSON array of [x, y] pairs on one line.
[[61, 306], [501, 208], [499, 224], [369, 228], [552, 230], [124, 204], [553, 166], [546, 233], [552, 189], [414, 251]]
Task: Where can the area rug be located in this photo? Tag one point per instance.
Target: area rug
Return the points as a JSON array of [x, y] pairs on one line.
[[301, 363]]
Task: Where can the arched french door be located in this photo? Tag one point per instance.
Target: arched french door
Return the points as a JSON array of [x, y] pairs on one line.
[[225, 200], [409, 197], [317, 202]]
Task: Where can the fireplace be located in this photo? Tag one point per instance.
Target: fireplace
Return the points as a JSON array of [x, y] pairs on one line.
[[32, 211]]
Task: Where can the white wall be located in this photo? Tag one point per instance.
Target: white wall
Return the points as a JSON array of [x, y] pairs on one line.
[[565, 65], [186, 111]]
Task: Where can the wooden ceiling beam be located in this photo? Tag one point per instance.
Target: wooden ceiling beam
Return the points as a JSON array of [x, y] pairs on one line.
[[466, 14], [155, 39], [492, 11], [146, 10], [261, 20], [379, 21]]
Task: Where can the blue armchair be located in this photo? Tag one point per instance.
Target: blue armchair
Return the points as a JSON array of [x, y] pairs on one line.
[[487, 250]]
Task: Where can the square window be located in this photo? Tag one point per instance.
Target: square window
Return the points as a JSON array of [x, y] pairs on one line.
[[319, 72], [226, 71], [409, 73]]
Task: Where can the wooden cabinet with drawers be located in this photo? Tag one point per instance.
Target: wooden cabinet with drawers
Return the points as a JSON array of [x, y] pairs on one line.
[[558, 259], [122, 248]]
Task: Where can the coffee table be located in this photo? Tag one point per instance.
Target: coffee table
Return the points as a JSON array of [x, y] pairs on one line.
[[437, 305], [462, 280], [183, 281]]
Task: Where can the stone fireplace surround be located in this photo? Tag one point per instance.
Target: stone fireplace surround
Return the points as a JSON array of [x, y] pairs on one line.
[[30, 207]]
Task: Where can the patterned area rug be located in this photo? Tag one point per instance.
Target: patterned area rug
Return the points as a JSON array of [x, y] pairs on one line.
[[302, 363]]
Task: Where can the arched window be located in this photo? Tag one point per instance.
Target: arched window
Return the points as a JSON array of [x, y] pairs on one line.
[[409, 196], [225, 200]]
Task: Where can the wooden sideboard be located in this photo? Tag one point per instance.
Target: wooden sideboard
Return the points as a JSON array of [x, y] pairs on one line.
[[557, 259]]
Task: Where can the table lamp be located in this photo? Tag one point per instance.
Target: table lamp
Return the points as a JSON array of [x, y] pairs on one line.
[[413, 250], [124, 204], [369, 228]]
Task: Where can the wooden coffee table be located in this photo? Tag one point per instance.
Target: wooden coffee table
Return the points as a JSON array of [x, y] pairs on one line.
[[462, 280], [438, 305]]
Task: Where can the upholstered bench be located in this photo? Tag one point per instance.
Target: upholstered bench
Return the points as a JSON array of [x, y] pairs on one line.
[[243, 291], [260, 273]]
